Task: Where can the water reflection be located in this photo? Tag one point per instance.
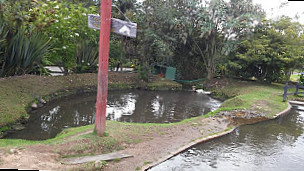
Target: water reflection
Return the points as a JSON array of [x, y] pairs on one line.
[[270, 145], [124, 106]]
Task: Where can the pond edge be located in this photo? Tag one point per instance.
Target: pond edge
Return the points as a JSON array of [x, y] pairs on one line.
[[208, 138]]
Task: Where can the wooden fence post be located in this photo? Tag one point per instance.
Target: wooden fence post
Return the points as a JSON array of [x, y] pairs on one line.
[[285, 92], [297, 89], [102, 83]]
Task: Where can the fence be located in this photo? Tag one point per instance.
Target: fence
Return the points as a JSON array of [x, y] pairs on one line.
[[286, 87]]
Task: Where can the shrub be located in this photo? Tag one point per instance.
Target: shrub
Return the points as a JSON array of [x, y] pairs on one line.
[[86, 57], [24, 53]]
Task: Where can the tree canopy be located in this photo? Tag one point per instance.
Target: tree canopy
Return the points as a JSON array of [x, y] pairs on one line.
[[201, 38]]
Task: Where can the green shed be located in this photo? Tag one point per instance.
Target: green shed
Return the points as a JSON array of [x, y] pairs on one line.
[[165, 71]]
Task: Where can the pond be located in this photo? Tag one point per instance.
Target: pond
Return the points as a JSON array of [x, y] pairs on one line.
[[271, 145], [125, 106]]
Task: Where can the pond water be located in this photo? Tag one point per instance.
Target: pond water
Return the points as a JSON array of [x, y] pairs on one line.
[[125, 106], [271, 145]]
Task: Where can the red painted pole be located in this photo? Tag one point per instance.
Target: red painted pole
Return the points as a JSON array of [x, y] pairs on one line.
[[104, 45]]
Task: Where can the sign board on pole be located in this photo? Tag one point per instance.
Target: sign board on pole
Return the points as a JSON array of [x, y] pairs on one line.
[[124, 28], [94, 21], [118, 26]]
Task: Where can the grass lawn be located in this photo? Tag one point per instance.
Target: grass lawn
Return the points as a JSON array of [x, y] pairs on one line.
[[295, 78], [265, 98]]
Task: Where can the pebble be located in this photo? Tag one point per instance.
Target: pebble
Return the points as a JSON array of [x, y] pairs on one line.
[[34, 106], [14, 151], [18, 127], [98, 164], [42, 101]]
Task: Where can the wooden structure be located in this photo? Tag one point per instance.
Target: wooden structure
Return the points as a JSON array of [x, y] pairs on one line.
[[297, 87], [168, 72], [104, 23], [102, 83]]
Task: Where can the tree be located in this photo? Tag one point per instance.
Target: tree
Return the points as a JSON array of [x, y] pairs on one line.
[[275, 48], [212, 28], [66, 24], [198, 33]]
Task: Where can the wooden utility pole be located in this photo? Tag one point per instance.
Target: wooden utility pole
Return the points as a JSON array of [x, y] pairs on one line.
[[104, 45]]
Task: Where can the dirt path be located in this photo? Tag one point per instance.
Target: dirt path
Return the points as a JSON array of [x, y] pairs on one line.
[[156, 147], [37, 157], [173, 138]]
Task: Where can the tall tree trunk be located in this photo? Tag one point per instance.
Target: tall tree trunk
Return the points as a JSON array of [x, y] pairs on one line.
[[287, 74], [210, 74]]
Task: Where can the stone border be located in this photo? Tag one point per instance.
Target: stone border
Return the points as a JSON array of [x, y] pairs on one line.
[[284, 112], [201, 140], [186, 147]]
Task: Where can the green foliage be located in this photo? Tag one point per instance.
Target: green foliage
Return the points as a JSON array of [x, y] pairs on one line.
[[66, 23], [24, 53], [195, 34], [3, 34], [275, 48], [302, 78], [3, 129], [17, 13], [144, 73], [117, 160], [86, 57], [115, 50]]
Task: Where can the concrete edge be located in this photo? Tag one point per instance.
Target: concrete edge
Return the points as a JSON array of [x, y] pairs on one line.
[[284, 112], [186, 147], [296, 102], [201, 140]]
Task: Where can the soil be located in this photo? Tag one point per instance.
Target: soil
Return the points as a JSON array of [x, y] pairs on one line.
[[35, 157], [155, 146]]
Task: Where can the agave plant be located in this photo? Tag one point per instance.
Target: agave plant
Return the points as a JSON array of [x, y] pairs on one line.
[[3, 33], [24, 53], [86, 57]]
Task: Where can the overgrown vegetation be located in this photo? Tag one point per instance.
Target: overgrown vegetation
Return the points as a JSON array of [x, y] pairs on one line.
[[272, 52], [200, 38]]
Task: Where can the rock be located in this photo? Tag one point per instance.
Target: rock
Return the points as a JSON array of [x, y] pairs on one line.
[[1, 135], [13, 151], [34, 106], [42, 101], [124, 145], [18, 127], [39, 105], [97, 163]]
